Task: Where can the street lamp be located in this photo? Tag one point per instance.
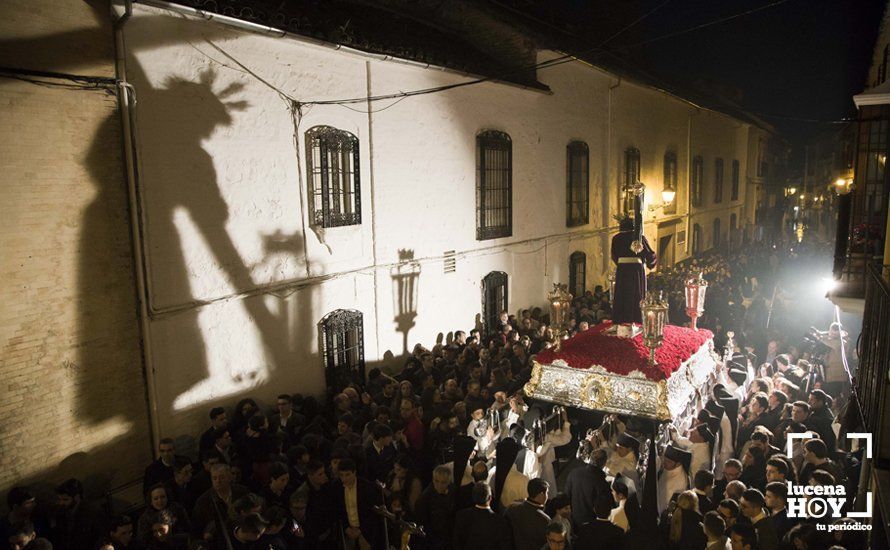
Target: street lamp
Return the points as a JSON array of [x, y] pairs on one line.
[[668, 194], [842, 186]]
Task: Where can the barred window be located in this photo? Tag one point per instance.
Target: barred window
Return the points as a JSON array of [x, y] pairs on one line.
[[735, 181], [577, 184], [577, 274], [344, 348], [697, 176], [332, 163], [631, 176], [718, 180], [670, 180], [494, 185], [494, 299]]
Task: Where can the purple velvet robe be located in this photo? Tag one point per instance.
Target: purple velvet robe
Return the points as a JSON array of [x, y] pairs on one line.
[[630, 278]]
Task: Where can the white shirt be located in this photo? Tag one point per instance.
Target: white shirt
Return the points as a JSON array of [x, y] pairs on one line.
[[540, 463], [670, 482], [624, 465], [725, 450], [701, 453], [484, 443], [351, 496]]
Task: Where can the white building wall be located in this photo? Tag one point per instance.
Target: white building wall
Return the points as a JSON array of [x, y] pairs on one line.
[[238, 278]]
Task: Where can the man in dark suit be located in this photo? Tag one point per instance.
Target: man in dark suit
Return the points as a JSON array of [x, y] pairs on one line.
[[776, 497], [435, 510], [703, 485], [585, 484], [218, 421], [752, 505], [286, 420], [777, 400], [161, 470], [821, 419], [600, 533], [380, 455], [356, 499], [479, 527], [210, 514], [527, 518], [75, 524]]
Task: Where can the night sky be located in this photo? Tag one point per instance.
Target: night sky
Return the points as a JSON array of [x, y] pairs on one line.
[[799, 59]]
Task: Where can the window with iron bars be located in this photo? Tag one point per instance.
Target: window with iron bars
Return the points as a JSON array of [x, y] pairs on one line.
[[696, 239], [494, 299], [332, 163], [735, 181], [697, 183], [716, 236], [344, 348], [577, 274], [577, 184], [494, 185], [670, 180]]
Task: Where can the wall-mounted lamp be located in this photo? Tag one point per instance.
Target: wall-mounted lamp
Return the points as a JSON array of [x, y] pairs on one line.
[[842, 186], [667, 198]]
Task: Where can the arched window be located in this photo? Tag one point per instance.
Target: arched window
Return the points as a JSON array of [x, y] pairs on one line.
[[577, 184], [494, 185], [716, 236], [718, 181], [697, 183], [733, 222], [332, 163], [494, 299], [670, 179], [696, 239], [631, 176], [343, 345], [577, 274]]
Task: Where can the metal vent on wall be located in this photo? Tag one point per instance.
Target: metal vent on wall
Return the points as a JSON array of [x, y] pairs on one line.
[[450, 261]]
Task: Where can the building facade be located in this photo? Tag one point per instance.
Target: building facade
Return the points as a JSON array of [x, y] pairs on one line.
[[265, 233]]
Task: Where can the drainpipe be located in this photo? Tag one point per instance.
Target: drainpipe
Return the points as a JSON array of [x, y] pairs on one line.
[[126, 101], [373, 185], [606, 222], [689, 157]]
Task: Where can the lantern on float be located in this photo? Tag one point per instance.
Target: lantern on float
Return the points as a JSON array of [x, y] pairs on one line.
[[696, 287], [560, 302], [655, 311]]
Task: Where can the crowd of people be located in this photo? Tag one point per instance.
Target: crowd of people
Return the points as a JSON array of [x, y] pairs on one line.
[[442, 453]]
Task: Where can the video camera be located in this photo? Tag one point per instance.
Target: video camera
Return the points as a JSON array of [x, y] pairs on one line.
[[812, 343]]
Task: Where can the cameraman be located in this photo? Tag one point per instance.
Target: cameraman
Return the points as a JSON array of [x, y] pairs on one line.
[[836, 380]]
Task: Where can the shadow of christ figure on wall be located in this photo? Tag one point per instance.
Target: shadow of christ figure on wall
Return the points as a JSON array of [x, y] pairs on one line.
[[181, 191]]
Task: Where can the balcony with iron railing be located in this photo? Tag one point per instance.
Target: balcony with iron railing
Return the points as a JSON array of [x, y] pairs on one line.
[[871, 398]]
